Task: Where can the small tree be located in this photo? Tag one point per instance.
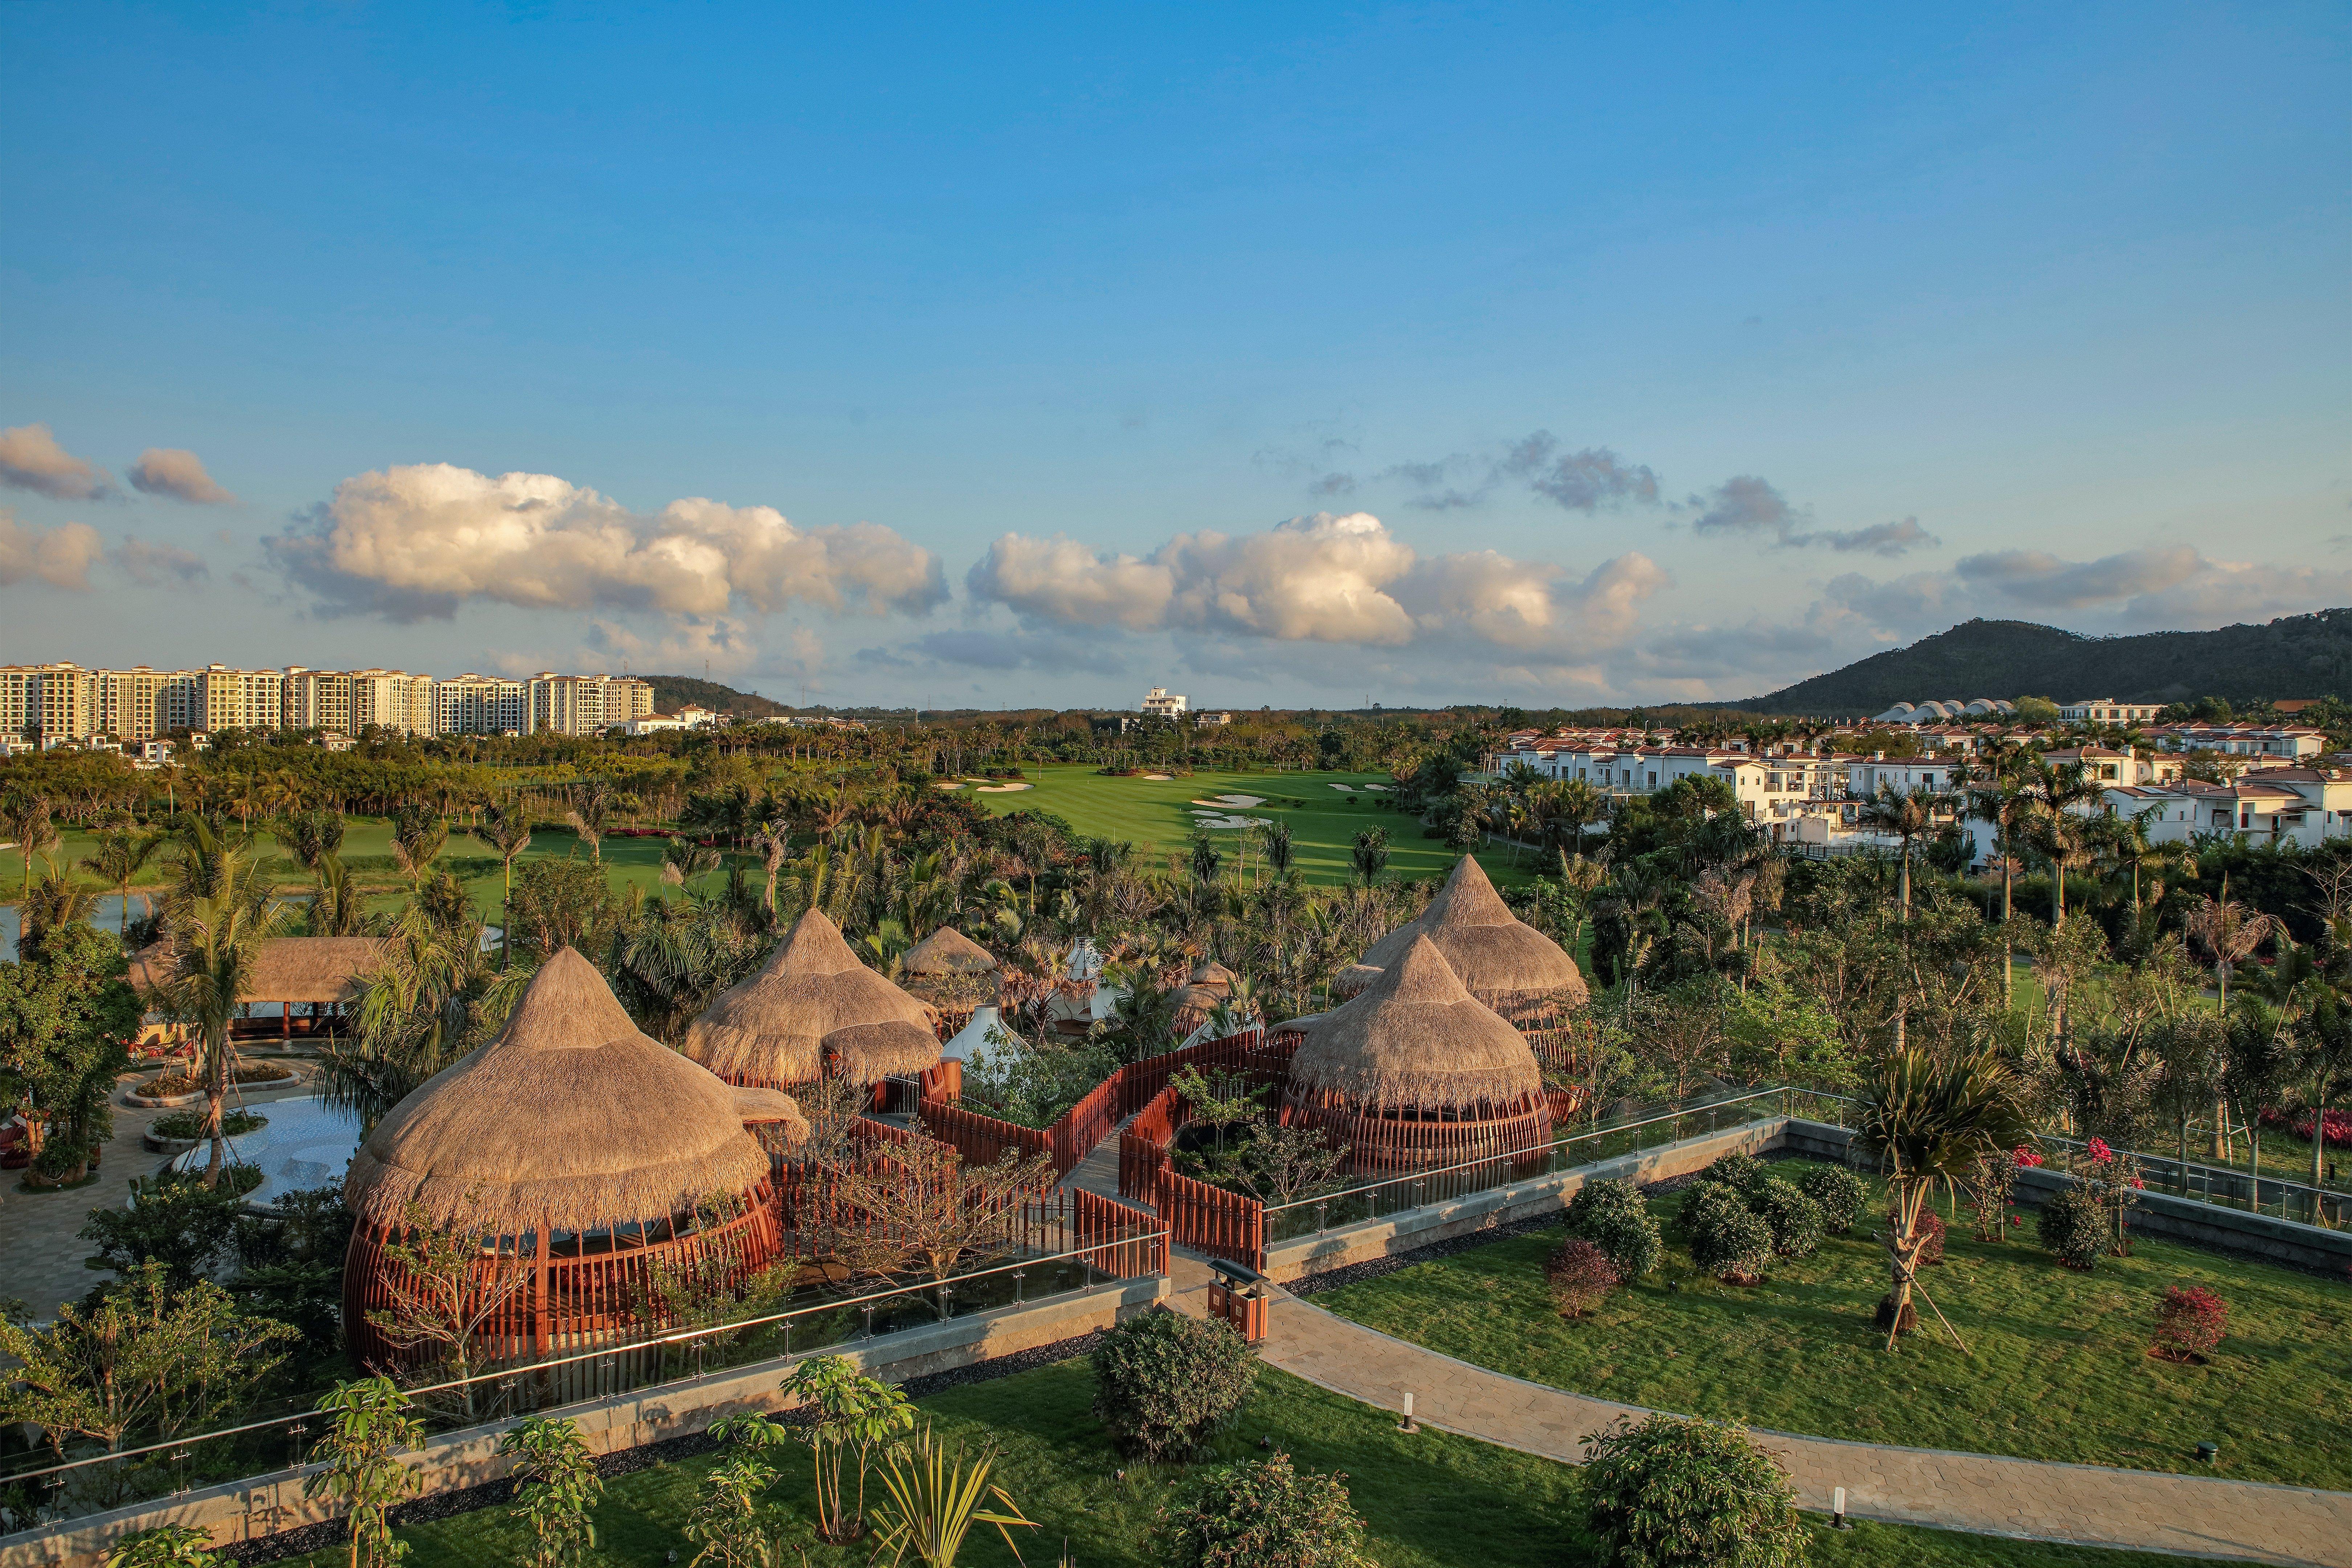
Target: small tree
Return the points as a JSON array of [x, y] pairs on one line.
[[1278, 1165], [2073, 1224], [1266, 1514], [735, 1526], [1579, 1275], [851, 1411], [556, 1486], [2191, 1322], [1990, 1184], [181, 1223], [931, 1209], [1218, 1100], [1666, 1492], [1164, 1383], [368, 1424], [444, 1288]]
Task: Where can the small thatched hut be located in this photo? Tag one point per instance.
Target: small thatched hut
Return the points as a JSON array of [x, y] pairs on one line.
[[1209, 987], [1503, 962], [812, 1011], [577, 1152], [951, 974], [1415, 1072], [319, 974]]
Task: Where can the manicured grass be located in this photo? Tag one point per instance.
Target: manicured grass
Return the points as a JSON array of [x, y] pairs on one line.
[[1430, 1498], [1156, 817], [2060, 1368]]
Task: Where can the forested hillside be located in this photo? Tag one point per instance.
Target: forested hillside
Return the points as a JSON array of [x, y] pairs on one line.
[[2296, 655], [672, 692]]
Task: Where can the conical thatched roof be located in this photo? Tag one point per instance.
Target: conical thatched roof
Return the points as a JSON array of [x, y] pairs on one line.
[[811, 1001], [1416, 1038], [311, 969], [1498, 958], [947, 951], [1201, 994], [571, 1118]]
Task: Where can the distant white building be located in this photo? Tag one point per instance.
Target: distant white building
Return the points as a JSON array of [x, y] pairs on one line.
[[1983, 708], [2108, 710], [1162, 702]]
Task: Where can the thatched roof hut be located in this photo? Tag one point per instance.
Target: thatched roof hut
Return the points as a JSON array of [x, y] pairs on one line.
[[1502, 961], [572, 1118], [1208, 987], [312, 969], [1415, 1037], [813, 1008], [947, 951]]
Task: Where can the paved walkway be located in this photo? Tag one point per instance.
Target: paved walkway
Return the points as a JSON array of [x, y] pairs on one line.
[[2089, 1505], [41, 1251]]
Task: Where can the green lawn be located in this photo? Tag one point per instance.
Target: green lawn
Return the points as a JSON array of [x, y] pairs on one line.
[[2060, 1369], [1430, 1498], [1156, 814]]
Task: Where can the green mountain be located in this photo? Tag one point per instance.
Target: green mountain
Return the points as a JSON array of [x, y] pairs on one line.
[[2296, 655], [672, 692]]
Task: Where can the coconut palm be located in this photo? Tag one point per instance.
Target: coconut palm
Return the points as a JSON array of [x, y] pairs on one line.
[[122, 854], [1579, 804], [1281, 853], [773, 841], [2231, 933], [26, 819], [1370, 854], [2002, 801], [1927, 1122], [2326, 1036], [1907, 817], [589, 814], [433, 997], [219, 925], [2123, 843], [2056, 830], [507, 829], [311, 836], [56, 900]]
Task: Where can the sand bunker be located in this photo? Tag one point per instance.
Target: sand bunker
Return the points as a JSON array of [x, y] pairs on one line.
[[1210, 819], [1007, 787], [1382, 788], [1156, 778], [1233, 802], [945, 783], [1349, 788]]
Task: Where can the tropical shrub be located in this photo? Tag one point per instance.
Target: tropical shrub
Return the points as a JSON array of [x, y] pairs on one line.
[[1728, 1241], [1164, 1383], [2190, 1324], [1266, 1514], [1579, 1275], [1612, 1215], [1838, 1191], [1740, 1173], [1794, 1219], [556, 1489], [2073, 1224], [1663, 1493], [181, 1125], [1704, 1203], [169, 1546], [1614, 1194]]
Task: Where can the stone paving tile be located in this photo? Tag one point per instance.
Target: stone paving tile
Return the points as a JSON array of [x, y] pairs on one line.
[[2089, 1505]]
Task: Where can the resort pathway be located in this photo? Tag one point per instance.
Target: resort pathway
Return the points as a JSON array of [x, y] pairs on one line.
[[2089, 1505], [1099, 1172]]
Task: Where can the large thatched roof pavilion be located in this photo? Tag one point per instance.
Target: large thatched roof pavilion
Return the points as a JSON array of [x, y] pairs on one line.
[[313, 971], [1415, 1072], [1505, 963], [812, 1011], [577, 1150]]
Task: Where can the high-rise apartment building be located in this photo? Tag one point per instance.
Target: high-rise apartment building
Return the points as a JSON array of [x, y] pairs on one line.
[[391, 699], [59, 699], [584, 704], [481, 705], [134, 704]]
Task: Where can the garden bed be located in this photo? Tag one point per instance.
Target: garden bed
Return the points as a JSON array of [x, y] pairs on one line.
[[2060, 1369], [176, 1088], [177, 1131], [1430, 1498]]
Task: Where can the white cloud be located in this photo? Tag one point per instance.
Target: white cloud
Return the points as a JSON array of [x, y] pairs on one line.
[[681, 647], [1320, 578], [59, 556], [177, 473], [31, 459], [149, 563], [1063, 581], [412, 543]]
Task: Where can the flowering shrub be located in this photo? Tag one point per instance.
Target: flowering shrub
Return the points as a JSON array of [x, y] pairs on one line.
[[1579, 1275], [2026, 1158], [2339, 1125], [2100, 1154], [2190, 1324], [2075, 1226]]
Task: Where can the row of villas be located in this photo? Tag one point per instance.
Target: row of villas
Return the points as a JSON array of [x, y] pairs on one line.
[[1804, 796], [65, 704]]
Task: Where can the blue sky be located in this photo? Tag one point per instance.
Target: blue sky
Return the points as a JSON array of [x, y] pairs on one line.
[[1281, 354]]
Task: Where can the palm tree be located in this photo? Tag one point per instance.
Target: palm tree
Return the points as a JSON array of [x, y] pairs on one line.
[[1275, 839], [1909, 818], [2231, 933], [217, 930], [773, 839], [1635, 896], [433, 999], [2004, 804], [1580, 806], [1927, 1122], [418, 837], [683, 860], [588, 817], [1370, 854], [311, 836], [507, 829], [122, 854], [26, 819], [2057, 832], [56, 900], [2327, 1056], [337, 906], [2124, 843]]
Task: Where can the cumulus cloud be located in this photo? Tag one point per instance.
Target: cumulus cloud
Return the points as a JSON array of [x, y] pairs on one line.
[[2156, 585], [177, 473], [2037, 578], [414, 542], [682, 646], [59, 556], [31, 459], [1341, 580], [150, 564]]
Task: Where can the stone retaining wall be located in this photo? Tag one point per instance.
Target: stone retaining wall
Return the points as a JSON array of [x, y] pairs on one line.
[[267, 1505]]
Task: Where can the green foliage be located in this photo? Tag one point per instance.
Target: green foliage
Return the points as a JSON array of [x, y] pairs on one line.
[[168, 1546], [1611, 1215], [181, 1125], [931, 1498], [2075, 1225], [1266, 1514], [851, 1411], [1666, 1492], [1727, 1239], [735, 1527], [556, 1486], [1795, 1220], [1165, 1383], [368, 1424], [173, 1220], [1740, 1173], [65, 1021], [1838, 1191], [560, 903]]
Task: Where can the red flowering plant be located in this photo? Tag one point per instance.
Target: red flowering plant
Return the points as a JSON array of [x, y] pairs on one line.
[[2025, 1157], [1991, 1184], [2114, 1183], [2190, 1324]]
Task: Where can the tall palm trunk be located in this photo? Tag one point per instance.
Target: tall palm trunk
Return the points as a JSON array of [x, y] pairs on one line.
[[216, 1076]]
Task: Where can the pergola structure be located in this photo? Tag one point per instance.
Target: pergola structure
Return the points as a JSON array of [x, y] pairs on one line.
[[577, 1156], [1505, 964], [321, 974], [1414, 1073], [813, 1010]]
